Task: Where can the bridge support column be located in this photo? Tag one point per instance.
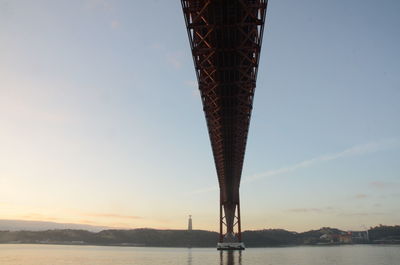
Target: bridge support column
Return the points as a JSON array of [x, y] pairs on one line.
[[229, 221]]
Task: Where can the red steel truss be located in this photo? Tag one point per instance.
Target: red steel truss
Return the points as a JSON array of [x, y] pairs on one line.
[[225, 37]]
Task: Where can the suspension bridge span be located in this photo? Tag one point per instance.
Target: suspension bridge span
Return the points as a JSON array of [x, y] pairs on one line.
[[225, 38]]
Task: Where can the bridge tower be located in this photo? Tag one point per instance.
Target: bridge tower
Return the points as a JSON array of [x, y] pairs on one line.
[[225, 38]]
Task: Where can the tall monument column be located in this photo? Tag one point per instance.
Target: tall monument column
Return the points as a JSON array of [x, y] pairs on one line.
[[190, 226]]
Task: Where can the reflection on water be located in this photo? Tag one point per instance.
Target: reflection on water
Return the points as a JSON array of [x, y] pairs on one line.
[[190, 257], [227, 257], [21, 254], [230, 257]]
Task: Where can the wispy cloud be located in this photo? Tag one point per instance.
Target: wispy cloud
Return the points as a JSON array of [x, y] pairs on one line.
[[175, 59], [194, 86], [312, 210], [306, 210], [361, 196], [192, 83], [115, 24], [39, 216], [357, 150], [384, 185], [157, 46], [112, 215], [361, 214]]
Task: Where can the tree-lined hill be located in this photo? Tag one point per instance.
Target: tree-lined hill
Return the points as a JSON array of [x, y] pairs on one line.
[[184, 238]]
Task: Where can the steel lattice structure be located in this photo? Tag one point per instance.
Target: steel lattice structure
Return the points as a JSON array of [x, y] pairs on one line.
[[225, 38]]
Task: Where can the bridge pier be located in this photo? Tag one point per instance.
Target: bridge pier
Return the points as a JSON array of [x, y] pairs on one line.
[[229, 221]]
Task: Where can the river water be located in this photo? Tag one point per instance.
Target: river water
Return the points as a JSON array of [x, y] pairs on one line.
[[95, 255]]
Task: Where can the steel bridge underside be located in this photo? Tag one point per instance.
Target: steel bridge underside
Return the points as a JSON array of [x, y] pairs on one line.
[[225, 37]]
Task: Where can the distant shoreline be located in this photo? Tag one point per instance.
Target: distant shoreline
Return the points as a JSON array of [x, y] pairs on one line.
[[199, 238]]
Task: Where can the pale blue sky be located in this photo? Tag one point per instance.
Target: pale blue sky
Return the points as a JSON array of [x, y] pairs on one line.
[[101, 121]]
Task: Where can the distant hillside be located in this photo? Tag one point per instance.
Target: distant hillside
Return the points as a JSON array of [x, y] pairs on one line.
[[270, 237], [385, 234], [199, 238], [18, 225], [135, 237], [280, 237]]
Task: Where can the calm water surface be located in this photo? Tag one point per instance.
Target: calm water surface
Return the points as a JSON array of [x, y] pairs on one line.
[[93, 255]]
